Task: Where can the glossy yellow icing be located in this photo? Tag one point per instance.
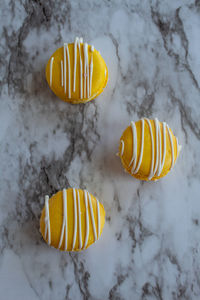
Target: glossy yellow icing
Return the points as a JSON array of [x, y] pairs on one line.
[[73, 215], [169, 153], [97, 72]]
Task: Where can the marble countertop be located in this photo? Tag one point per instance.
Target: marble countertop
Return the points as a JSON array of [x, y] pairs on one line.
[[150, 245]]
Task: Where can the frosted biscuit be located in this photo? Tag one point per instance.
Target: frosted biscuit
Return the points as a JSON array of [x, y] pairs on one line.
[[76, 72], [148, 149], [72, 220]]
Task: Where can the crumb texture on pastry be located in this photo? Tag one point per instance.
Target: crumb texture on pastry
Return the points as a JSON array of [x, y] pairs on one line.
[[76, 72], [72, 220], [148, 149]]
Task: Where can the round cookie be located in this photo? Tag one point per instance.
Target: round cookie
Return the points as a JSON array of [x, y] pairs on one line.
[[76, 72], [148, 149], [72, 220]]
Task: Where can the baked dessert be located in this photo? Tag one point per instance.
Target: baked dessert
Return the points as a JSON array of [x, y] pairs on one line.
[[72, 220], [76, 72], [148, 149]]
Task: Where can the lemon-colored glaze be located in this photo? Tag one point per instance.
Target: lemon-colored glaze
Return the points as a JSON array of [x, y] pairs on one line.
[[56, 220], [144, 170], [99, 76]]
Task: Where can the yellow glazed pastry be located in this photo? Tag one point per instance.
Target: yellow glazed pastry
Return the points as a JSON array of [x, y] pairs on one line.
[[76, 72], [72, 220], [148, 149]]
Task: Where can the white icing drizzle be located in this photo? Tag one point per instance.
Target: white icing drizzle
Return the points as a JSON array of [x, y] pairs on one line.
[[61, 65], [122, 147], [98, 219], [172, 146], [160, 148], [92, 217], [75, 62], [65, 68], [65, 215], [51, 70], [91, 69], [79, 221], [75, 219], [164, 151], [47, 220], [69, 73], [64, 225], [86, 219], [86, 70], [81, 67], [152, 150], [156, 123], [134, 171], [134, 156]]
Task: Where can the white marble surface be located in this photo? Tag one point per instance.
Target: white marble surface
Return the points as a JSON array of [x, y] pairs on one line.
[[150, 245]]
